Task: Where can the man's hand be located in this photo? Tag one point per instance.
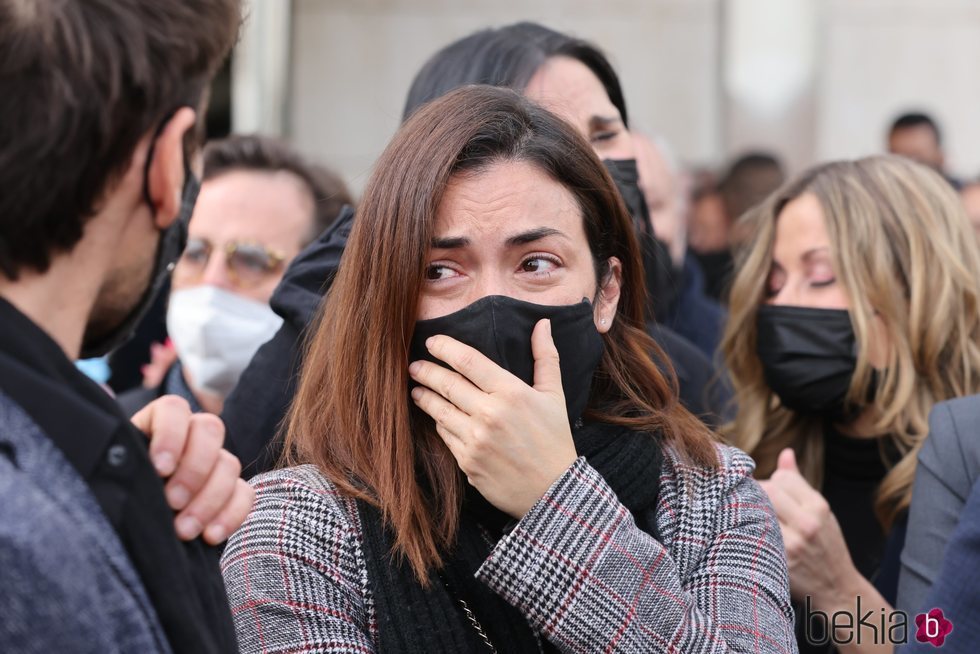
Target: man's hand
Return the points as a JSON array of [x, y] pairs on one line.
[[203, 483]]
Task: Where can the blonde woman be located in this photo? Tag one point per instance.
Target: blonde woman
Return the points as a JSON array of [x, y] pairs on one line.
[[853, 311]]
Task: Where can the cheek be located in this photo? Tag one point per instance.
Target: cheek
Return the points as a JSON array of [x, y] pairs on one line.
[[261, 292], [435, 306]]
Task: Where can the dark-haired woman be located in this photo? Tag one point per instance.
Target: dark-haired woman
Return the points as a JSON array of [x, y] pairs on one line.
[[484, 455]]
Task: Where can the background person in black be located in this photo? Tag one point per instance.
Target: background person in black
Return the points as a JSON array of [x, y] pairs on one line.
[[98, 106]]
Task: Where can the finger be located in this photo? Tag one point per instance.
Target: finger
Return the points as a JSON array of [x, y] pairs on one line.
[[792, 543], [786, 507], [444, 412], [165, 423], [213, 496], [232, 515], [206, 433], [451, 385], [453, 442], [793, 483], [787, 461], [471, 363], [547, 371]]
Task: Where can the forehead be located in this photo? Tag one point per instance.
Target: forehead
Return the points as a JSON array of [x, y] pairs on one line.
[[254, 205], [568, 87], [800, 227], [506, 198], [915, 135]]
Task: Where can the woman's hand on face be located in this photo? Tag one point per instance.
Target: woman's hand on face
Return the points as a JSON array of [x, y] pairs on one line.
[[819, 562], [511, 440]]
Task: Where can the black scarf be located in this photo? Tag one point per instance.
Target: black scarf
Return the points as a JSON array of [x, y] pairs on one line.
[[413, 619]]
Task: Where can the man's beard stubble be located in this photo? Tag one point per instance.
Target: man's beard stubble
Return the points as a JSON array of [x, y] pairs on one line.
[[117, 299]]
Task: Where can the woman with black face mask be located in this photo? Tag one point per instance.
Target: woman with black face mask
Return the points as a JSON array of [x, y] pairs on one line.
[[853, 311], [485, 458], [573, 78]]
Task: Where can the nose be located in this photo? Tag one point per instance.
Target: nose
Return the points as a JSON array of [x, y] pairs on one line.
[[498, 283], [216, 272]]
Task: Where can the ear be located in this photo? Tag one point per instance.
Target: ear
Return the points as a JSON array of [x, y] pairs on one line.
[[608, 296], [165, 174]]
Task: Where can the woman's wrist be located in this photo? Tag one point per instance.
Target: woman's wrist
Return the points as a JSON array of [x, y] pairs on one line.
[[842, 594]]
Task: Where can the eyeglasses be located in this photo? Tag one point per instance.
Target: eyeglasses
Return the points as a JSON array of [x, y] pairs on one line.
[[248, 264]]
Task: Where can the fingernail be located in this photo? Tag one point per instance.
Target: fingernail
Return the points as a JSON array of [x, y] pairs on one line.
[[548, 322], [414, 367], [416, 393], [216, 534], [178, 497], [164, 463], [188, 528], [429, 341]]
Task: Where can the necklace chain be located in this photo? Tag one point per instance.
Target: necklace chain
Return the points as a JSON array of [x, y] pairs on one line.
[[476, 625], [471, 617]]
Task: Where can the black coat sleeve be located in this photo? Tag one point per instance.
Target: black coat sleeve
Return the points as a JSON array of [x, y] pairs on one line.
[[255, 409]]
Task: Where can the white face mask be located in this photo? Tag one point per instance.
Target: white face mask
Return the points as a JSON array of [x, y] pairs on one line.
[[216, 333]]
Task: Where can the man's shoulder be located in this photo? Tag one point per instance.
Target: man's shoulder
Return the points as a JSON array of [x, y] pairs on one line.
[[66, 577], [36, 485]]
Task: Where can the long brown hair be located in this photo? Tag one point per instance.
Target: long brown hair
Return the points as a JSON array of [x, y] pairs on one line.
[[904, 251], [352, 417]]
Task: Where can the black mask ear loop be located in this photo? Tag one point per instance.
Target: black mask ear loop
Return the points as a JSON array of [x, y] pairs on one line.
[[190, 180]]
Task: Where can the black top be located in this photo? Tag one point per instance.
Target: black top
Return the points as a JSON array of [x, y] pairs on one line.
[[853, 469], [182, 580]]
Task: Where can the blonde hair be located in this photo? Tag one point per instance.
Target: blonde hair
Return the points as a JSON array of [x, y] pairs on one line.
[[904, 251]]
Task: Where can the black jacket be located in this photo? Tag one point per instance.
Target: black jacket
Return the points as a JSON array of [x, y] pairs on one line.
[[254, 411]]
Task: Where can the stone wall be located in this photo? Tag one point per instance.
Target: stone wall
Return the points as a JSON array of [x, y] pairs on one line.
[[812, 79]]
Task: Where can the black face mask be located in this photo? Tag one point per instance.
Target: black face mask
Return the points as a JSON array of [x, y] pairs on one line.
[[661, 279], [500, 327], [808, 358], [171, 245], [627, 179]]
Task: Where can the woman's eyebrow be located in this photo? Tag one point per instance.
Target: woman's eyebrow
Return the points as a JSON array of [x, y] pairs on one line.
[[604, 122], [812, 252], [534, 235], [450, 242]]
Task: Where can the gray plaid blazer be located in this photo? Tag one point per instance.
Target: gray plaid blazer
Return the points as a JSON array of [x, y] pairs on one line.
[[577, 566]]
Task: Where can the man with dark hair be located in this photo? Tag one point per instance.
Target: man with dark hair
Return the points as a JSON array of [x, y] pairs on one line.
[[263, 154], [749, 180], [99, 106], [260, 204], [916, 135]]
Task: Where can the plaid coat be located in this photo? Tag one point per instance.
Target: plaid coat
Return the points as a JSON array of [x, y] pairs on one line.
[[577, 566]]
